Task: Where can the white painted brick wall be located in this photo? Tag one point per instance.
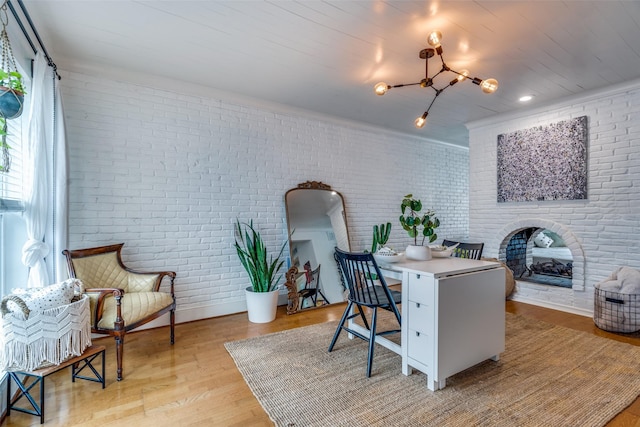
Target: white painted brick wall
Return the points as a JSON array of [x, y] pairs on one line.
[[168, 173], [606, 225]]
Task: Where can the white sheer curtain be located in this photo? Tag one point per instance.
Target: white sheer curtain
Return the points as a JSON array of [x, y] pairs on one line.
[[45, 178], [57, 223]]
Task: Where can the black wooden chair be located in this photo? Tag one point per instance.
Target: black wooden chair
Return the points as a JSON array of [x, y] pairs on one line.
[[367, 288], [312, 288], [465, 250]]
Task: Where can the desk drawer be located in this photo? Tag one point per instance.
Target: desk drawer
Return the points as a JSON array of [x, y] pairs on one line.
[[421, 288], [420, 347], [420, 317]]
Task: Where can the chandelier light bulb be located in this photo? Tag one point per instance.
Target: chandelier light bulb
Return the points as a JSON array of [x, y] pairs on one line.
[[381, 88], [420, 121], [435, 38], [489, 85]]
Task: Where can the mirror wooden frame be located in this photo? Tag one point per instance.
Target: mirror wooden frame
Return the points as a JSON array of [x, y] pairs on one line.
[[293, 305]]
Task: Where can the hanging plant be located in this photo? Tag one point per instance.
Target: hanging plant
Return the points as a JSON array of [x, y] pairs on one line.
[[11, 86]]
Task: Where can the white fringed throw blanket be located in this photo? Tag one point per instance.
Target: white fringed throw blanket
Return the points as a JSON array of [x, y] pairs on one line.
[[45, 338]]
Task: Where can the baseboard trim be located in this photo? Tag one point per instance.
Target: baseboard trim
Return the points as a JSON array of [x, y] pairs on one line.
[[203, 312], [553, 306]]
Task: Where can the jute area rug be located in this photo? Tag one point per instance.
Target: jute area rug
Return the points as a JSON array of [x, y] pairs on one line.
[[548, 376]]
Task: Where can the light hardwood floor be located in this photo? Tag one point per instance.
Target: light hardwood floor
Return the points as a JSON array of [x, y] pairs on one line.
[[195, 382]]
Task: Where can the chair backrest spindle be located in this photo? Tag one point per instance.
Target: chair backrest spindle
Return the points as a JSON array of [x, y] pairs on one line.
[[362, 276]]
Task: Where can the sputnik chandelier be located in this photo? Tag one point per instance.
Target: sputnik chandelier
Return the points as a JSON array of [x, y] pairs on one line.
[[487, 86]]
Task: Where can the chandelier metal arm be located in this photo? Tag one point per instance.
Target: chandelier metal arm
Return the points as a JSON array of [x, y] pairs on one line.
[[438, 92], [405, 84]]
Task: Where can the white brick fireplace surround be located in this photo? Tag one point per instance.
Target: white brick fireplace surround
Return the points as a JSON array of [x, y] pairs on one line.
[[601, 231]]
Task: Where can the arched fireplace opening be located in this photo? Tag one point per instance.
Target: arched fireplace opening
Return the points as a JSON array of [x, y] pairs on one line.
[[540, 256], [532, 227]]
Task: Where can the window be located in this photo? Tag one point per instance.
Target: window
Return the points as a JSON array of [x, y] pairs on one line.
[[13, 233], [11, 181]]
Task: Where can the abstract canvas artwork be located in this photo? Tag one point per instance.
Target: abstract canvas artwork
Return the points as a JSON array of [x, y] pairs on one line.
[[544, 162]]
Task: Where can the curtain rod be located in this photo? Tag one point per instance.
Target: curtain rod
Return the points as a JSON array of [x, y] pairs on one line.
[[35, 32]]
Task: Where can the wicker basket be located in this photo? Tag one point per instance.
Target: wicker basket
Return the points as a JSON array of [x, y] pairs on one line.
[[33, 340], [616, 312]]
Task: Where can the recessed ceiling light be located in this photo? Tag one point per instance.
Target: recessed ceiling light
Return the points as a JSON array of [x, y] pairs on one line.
[[525, 98]]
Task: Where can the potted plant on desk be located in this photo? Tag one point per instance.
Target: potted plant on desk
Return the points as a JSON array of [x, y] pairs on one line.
[[262, 295], [416, 224]]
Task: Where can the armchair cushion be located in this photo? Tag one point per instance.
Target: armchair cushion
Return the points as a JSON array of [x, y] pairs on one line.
[[135, 306]]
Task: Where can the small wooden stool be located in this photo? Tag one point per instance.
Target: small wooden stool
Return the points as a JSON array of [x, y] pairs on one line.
[[77, 363]]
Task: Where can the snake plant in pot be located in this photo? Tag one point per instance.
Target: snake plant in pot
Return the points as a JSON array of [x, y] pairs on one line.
[[416, 225], [262, 268]]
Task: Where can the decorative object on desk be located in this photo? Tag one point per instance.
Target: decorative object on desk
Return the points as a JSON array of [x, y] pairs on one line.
[[442, 251], [262, 295], [386, 254], [415, 225], [44, 327], [586, 379], [487, 86], [380, 236]]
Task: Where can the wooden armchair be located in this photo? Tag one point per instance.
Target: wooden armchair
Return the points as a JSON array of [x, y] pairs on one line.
[[120, 299]]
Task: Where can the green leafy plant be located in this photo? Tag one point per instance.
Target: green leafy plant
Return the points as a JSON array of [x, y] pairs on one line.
[[12, 80], [380, 236], [261, 267], [412, 221]]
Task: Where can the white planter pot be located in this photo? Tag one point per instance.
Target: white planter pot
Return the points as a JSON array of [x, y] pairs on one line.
[[419, 253], [261, 306]]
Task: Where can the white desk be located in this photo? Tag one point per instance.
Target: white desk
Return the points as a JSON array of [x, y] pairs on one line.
[[453, 315]]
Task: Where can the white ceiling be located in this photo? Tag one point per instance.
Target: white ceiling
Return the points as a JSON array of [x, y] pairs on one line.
[[325, 56]]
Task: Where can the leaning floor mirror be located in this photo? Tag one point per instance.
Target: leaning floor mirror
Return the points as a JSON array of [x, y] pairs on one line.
[[317, 223]]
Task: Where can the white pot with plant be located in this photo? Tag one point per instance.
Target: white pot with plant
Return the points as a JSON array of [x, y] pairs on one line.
[[416, 225], [263, 269]]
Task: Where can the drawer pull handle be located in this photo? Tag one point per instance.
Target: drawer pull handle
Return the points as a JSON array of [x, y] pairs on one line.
[[417, 305], [417, 334], [417, 276]]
